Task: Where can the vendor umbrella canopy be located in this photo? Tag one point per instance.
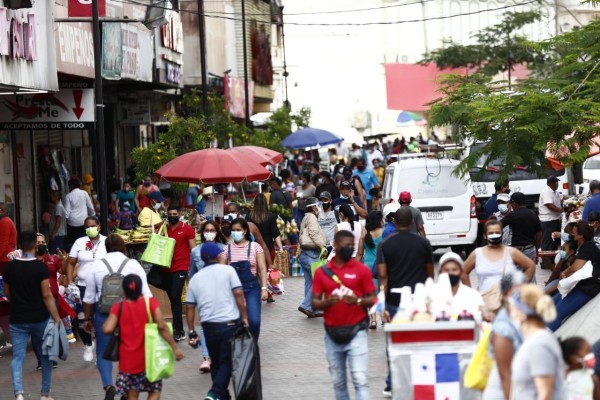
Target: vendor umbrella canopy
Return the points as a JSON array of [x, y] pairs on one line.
[[310, 137], [407, 118], [213, 166], [263, 155]]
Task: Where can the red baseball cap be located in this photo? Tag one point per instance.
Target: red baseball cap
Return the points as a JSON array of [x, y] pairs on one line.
[[405, 197]]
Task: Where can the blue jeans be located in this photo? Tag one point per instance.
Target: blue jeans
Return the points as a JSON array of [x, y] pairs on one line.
[[567, 306], [203, 344], [306, 258], [253, 307], [218, 340], [356, 353], [104, 366], [20, 334]]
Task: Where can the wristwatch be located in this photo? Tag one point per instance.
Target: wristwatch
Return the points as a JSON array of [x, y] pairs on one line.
[[263, 288], [359, 301]]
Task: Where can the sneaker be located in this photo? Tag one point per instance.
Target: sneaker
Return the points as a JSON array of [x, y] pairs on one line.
[[211, 396], [88, 353], [46, 398], [110, 394], [71, 338], [387, 392], [205, 366], [54, 364], [270, 300], [180, 336], [39, 367], [19, 397], [306, 312]]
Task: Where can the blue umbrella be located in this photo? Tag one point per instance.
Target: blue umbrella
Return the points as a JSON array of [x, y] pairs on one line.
[[310, 137]]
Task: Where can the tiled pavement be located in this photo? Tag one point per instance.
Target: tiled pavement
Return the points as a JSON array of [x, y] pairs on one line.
[[292, 356]]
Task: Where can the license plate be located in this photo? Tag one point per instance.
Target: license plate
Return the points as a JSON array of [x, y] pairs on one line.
[[435, 215]]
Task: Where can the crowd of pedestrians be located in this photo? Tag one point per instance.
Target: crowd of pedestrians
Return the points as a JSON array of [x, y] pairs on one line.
[[361, 248]]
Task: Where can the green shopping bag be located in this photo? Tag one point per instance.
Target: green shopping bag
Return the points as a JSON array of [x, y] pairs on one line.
[[159, 250], [319, 263], [160, 360]]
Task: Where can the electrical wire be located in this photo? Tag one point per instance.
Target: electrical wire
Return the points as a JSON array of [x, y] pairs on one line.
[[443, 17]]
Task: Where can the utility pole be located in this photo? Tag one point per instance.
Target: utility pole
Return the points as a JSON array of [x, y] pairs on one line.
[[102, 188], [202, 32], [245, 47]]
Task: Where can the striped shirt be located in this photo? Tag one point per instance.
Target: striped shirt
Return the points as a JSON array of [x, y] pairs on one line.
[[239, 253]]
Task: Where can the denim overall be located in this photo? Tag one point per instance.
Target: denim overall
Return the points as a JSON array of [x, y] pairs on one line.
[[251, 290]]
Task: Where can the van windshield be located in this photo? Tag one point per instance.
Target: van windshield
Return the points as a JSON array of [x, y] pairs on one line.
[[520, 173], [432, 182]]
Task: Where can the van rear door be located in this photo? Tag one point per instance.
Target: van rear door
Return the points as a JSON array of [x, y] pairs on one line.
[[444, 200]]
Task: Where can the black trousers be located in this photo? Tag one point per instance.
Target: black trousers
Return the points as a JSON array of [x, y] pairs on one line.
[[173, 283]]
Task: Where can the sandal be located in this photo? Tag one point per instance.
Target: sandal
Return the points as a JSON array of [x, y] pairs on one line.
[[373, 325]]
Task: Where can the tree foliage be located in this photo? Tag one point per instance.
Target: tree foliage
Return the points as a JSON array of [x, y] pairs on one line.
[[559, 113]]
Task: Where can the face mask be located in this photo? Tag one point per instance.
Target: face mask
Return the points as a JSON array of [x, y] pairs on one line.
[[173, 219], [563, 255], [125, 209], [326, 206], [565, 237], [589, 361], [321, 181], [301, 182], [494, 238], [147, 184], [92, 231], [345, 253], [503, 208], [237, 236], [157, 206], [454, 279], [343, 197], [95, 196], [126, 189], [231, 216], [348, 176], [210, 236], [41, 249], [226, 230], [362, 168]]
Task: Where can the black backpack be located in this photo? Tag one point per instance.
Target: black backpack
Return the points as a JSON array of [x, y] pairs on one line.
[[112, 287]]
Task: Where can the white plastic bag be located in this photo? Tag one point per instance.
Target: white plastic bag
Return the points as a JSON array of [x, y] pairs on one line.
[[567, 284]]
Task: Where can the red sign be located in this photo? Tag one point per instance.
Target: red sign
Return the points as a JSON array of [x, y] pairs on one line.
[[83, 8]]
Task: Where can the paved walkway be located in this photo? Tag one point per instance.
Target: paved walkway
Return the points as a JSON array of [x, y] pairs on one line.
[[292, 356]]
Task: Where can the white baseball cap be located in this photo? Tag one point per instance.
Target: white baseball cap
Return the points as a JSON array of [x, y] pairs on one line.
[[390, 208], [450, 256]]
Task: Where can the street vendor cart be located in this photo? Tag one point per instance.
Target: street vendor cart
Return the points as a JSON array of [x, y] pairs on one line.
[[428, 359]]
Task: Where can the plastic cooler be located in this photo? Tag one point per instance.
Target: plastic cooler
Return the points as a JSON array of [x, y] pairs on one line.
[[428, 360]]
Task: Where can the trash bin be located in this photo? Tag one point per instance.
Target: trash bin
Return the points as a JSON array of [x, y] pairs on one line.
[[428, 360]]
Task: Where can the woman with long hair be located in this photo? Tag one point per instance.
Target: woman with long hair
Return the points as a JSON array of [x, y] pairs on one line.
[[374, 231], [349, 224], [248, 260], [131, 315], [209, 232], [266, 222], [537, 367]]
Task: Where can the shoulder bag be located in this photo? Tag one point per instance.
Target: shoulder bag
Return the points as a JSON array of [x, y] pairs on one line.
[[492, 297], [159, 357], [111, 352], [343, 334]]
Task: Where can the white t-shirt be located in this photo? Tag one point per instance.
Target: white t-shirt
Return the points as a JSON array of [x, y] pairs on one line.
[[98, 270], [372, 156], [78, 206], [549, 196], [468, 299], [86, 255]]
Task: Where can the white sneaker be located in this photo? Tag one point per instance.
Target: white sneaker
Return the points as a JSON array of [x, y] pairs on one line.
[[19, 397], [88, 353], [46, 398]]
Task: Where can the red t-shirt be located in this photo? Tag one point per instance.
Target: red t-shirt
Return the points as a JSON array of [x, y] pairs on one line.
[[54, 265], [132, 357], [355, 276], [182, 234]]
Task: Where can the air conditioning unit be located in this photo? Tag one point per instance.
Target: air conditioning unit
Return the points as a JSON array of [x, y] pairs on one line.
[[157, 14], [16, 4]]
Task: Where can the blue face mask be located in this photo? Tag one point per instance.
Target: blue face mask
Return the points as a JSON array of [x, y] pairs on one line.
[[237, 236], [321, 181], [300, 182], [565, 237], [563, 255]]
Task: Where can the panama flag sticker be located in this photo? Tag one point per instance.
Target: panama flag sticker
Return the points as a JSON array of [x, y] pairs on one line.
[[435, 376]]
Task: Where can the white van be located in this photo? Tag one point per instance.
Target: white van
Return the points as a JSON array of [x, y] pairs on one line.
[[446, 202]]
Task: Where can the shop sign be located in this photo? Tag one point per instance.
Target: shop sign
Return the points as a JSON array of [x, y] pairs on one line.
[[83, 8], [235, 99], [127, 52], [134, 113], [27, 58], [169, 51], [75, 48], [71, 108]]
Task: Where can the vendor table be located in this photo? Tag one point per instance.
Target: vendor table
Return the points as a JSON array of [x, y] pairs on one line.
[[428, 360]]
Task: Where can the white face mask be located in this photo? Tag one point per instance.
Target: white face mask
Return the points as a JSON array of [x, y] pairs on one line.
[[503, 208], [210, 236], [157, 206]]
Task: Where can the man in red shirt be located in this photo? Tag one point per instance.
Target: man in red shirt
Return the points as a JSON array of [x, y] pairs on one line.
[[8, 236], [173, 279], [344, 289]]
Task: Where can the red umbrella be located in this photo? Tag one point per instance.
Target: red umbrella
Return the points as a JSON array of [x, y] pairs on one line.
[[213, 166], [263, 155]]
